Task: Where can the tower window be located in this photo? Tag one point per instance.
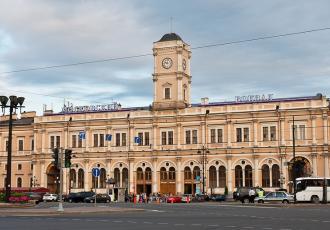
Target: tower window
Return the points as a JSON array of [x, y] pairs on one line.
[[167, 93]]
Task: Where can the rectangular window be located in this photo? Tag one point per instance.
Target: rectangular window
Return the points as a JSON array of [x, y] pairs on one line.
[[194, 137], [212, 135], [20, 145], [302, 132], [170, 137], [163, 138], [220, 136], [74, 141], [79, 143], [19, 167], [58, 141], [123, 137], [188, 137], [167, 93], [117, 139], [140, 135], [146, 138], [6, 146], [265, 133], [52, 142], [96, 140], [246, 135], [101, 140], [295, 130], [32, 144], [273, 133], [238, 135]]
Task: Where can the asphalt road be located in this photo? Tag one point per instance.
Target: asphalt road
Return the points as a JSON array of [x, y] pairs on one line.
[[180, 216]]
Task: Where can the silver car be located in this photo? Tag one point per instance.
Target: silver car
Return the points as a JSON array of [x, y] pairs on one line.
[[282, 197]]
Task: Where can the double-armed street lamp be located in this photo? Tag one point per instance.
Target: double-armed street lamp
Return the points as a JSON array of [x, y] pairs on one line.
[[203, 152], [13, 103]]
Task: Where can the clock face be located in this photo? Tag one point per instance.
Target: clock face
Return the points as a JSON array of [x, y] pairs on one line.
[[167, 63], [184, 64]]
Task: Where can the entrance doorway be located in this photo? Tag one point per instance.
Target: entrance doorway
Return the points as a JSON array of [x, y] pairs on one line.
[[298, 167], [167, 181], [53, 182]]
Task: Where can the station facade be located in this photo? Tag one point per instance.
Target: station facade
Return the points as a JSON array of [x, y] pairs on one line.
[[173, 146]]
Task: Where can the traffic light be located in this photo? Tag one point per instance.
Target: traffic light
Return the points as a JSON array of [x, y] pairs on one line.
[[55, 157], [67, 158]]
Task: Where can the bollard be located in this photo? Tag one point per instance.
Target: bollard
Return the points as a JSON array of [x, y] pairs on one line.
[[134, 199], [172, 201]]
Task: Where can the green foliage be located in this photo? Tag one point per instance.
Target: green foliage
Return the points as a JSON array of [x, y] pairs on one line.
[[2, 197]]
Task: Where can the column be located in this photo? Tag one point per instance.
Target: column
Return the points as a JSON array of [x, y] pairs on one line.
[[154, 176], [108, 165], [35, 139], [178, 176], [326, 164], [88, 138], [255, 132], [229, 173], [313, 130], [154, 138], [314, 163], [43, 174], [43, 140], [131, 137], [217, 176], [283, 171], [282, 131], [202, 126], [325, 129], [256, 170], [108, 143], [66, 181], [66, 137], [179, 135], [131, 176], [229, 124], [87, 174]]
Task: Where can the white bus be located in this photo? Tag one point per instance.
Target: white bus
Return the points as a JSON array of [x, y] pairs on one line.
[[311, 189]]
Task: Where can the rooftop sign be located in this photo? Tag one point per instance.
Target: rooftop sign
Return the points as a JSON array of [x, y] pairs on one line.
[[254, 98], [90, 108]]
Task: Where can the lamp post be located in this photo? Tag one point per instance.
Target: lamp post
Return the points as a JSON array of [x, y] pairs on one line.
[[14, 103], [204, 153], [294, 160]]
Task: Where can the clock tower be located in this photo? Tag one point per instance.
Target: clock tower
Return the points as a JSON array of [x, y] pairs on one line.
[[171, 75]]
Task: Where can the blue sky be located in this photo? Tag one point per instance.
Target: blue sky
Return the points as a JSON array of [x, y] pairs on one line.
[[42, 33]]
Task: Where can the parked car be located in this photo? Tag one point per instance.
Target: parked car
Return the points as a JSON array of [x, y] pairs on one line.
[[174, 199], [280, 196], [100, 198], [50, 197], [200, 198], [78, 197], [37, 197], [186, 197], [218, 197], [242, 193]]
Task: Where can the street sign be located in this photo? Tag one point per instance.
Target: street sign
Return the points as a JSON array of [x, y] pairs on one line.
[[108, 137], [82, 135], [96, 172]]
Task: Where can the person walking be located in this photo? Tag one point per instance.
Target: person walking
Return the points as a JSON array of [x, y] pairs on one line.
[[252, 195]]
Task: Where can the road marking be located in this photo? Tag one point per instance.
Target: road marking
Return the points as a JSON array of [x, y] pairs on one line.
[[117, 221], [147, 222], [213, 225], [267, 228], [162, 223], [132, 222], [104, 220], [326, 221], [195, 224], [178, 224], [230, 226], [71, 219], [248, 227]]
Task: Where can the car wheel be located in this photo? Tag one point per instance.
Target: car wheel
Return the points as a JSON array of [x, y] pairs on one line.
[[70, 200], [245, 200], [108, 201], [285, 201], [260, 201], [315, 199]]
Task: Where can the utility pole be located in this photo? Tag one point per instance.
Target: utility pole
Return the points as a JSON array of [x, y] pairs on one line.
[[294, 160], [60, 204]]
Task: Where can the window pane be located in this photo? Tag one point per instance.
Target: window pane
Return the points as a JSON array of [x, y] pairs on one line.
[[238, 135], [302, 132], [101, 140], [273, 133], [140, 135], [146, 137], [220, 136], [163, 138], [167, 93], [246, 134], [188, 137], [58, 141], [123, 137], [212, 135], [73, 141], [170, 137], [194, 136], [117, 139], [96, 141], [265, 133]]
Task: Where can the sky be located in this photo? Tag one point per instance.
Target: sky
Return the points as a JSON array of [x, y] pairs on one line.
[[45, 33]]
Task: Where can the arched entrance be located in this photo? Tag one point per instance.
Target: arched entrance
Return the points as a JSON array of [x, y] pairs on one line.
[[53, 175], [298, 167], [167, 180], [143, 180]]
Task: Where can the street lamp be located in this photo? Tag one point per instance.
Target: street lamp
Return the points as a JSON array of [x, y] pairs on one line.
[[204, 153], [14, 103]]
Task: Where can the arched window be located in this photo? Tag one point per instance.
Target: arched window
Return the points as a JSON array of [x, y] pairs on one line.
[[222, 176], [248, 176], [80, 178], [19, 182], [196, 172], [238, 176], [139, 174], [275, 175], [117, 177], [148, 176], [265, 176], [103, 178], [213, 177], [72, 178], [187, 173], [163, 174], [125, 178], [171, 174]]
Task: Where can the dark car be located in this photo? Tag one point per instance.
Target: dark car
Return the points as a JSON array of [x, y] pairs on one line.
[[218, 197], [36, 197], [200, 198], [242, 193], [78, 197], [100, 198]]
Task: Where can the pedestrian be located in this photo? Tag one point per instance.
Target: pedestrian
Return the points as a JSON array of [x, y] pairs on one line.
[[252, 195]]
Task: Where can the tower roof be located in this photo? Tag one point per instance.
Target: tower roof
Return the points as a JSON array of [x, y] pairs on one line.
[[170, 37]]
